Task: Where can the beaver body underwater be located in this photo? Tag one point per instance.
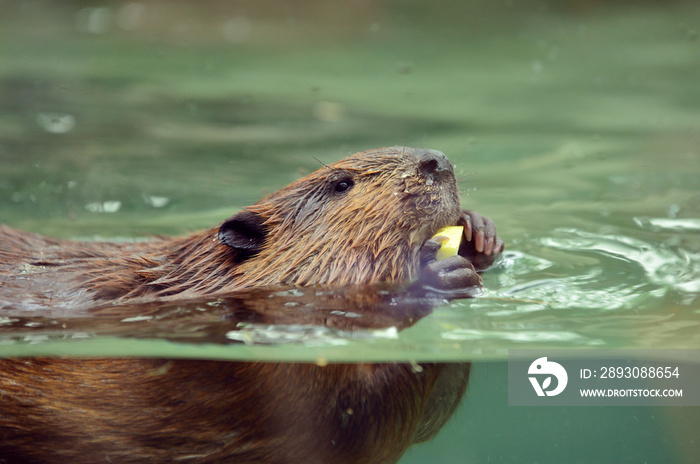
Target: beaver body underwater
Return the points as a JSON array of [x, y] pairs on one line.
[[365, 219]]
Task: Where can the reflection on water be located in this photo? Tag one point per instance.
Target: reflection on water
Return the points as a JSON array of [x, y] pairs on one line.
[[309, 316]]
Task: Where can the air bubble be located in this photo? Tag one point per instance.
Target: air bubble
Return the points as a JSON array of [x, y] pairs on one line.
[[56, 123]]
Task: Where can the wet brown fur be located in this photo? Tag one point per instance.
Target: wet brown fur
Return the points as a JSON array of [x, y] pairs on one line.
[[159, 410], [372, 233]]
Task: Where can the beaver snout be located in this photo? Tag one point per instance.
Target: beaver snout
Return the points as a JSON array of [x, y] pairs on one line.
[[434, 164]]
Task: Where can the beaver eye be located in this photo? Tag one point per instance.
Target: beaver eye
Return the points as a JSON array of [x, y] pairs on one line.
[[343, 185]]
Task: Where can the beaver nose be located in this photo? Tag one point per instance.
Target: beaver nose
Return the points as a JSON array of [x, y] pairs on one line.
[[434, 164]]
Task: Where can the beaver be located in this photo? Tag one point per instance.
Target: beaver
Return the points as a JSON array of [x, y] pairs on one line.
[[365, 219]]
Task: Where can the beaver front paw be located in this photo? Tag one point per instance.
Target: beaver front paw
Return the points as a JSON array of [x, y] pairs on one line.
[[481, 246], [453, 277]]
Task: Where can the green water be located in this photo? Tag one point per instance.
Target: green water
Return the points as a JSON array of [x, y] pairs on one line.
[[575, 126]]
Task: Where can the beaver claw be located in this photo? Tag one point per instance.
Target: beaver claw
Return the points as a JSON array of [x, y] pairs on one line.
[[481, 246], [458, 276], [454, 276]]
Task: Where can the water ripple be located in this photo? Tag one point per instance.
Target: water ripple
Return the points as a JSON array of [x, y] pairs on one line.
[[668, 267]]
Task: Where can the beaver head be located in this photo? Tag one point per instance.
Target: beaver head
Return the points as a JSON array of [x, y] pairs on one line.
[[360, 220]]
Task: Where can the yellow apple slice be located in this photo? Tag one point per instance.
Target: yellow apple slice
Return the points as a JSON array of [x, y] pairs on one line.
[[449, 238]]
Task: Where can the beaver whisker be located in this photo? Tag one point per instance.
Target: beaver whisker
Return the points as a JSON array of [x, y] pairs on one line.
[[322, 163]]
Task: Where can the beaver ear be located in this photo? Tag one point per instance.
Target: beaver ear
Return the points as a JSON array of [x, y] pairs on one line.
[[243, 232]]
